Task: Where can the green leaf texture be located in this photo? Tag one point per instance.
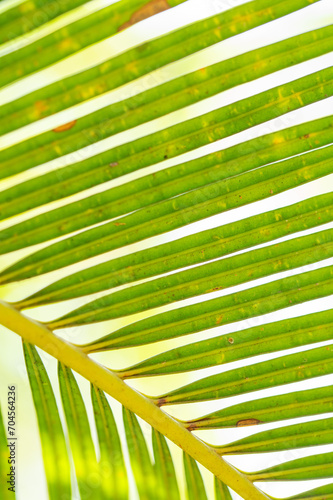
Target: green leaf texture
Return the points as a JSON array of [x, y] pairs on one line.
[[56, 462]]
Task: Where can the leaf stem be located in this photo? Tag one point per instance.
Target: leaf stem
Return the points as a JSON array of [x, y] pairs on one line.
[[108, 381]]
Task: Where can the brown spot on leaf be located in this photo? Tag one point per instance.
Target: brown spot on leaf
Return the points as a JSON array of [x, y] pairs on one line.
[[219, 319], [191, 426], [120, 224], [66, 126], [114, 164], [247, 422], [306, 136], [160, 402], [231, 340], [150, 9]]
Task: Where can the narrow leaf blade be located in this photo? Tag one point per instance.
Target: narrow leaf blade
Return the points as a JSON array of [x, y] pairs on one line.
[[142, 467], [195, 485], [166, 480], [114, 476], [86, 467], [314, 433], [221, 490], [54, 449], [306, 468]]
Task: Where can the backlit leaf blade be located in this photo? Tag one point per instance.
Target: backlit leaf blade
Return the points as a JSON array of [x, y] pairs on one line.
[[277, 336], [193, 249], [127, 66], [314, 433], [83, 450], [269, 409], [70, 39], [174, 213], [142, 467], [221, 490], [212, 126], [166, 480], [321, 493], [160, 186], [164, 99], [195, 485], [113, 471], [55, 457], [279, 371], [312, 467], [204, 279], [170, 142], [212, 313], [31, 14]]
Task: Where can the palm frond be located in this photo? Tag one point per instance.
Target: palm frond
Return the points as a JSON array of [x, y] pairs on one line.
[[226, 294]]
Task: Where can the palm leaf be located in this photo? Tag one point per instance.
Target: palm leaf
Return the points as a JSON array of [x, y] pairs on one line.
[[278, 258], [157, 101], [166, 480], [140, 60], [76, 35], [79, 434], [52, 437], [195, 485], [111, 461], [140, 460]]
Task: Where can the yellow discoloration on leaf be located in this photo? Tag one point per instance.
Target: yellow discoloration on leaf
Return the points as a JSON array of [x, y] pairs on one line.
[[65, 44], [278, 140], [66, 126], [27, 7], [150, 9]]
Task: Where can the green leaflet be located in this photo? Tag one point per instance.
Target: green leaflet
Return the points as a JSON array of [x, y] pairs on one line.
[[315, 433], [221, 490], [127, 66], [171, 214], [54, 449], [271, 337], [142, 467], [164, 184], [164, 99], [6, 464], [168, 143], [195, 485], [31, 14], [313, 467], [321, 493], [190, 250], [279, 371], [111, 464], [271, 409], [73, 38], [249, 303], [166, 480], [86, 467], [217, 275]]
